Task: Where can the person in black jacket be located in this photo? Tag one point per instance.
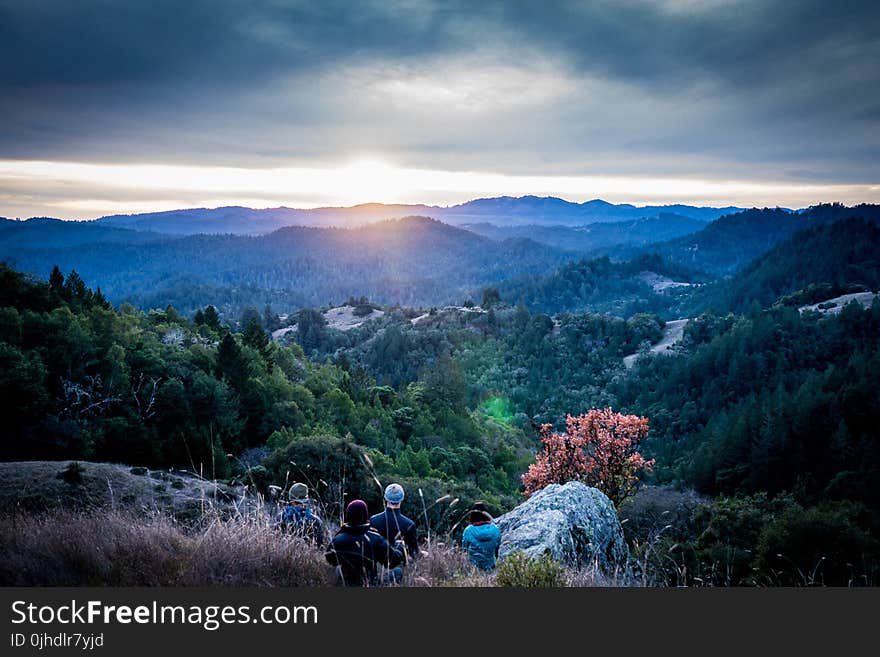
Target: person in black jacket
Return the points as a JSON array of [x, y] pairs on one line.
[[396, 528], [357, 551]]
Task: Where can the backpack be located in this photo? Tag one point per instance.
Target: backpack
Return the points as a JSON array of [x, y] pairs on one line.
[[295, 515]]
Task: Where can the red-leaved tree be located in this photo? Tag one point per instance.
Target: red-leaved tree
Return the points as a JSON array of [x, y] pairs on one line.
[[598, 448]]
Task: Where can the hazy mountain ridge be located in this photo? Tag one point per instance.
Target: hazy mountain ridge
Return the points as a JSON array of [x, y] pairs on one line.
[[504, 210], [597, 238]]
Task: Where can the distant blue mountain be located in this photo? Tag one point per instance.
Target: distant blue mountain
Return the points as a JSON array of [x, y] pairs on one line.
[[501, 211], [599, 238], [552, 210]]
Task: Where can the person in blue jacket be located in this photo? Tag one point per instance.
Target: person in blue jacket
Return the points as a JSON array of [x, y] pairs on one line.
[[481, 538], [297, 518]]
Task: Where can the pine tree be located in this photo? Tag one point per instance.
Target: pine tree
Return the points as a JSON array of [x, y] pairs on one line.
[[254, 335], [99, 300], [56, 281], [212, 319], [230, 363]]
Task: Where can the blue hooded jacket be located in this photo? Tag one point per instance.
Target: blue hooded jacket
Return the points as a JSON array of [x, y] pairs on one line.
[[481, 542]]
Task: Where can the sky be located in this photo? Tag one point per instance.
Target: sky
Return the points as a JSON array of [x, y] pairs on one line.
[[109, 107]]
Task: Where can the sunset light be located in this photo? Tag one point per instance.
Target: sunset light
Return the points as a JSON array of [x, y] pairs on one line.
[[100, 189]]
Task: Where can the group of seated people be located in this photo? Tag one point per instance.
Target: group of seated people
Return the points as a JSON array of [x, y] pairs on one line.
[[373, 550]]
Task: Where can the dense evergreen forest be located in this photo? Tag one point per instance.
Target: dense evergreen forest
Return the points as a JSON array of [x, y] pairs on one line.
[[763, 417]]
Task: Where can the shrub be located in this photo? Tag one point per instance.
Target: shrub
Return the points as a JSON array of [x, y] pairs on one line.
[[333, 468], [656, 509], [73, 473], [818, 545], [258, 477], [518, 570], [659, 523], [751, 541], [598, 448], [362, 310]]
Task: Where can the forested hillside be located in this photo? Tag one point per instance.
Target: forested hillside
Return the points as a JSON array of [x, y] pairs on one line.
[[601, 285], [734, 240], [82, 380], [44, 233], [833, 258]]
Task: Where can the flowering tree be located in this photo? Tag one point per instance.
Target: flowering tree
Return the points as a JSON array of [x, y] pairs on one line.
[[598, 448]]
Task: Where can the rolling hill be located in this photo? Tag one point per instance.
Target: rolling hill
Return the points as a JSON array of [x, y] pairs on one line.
[[411, 261]]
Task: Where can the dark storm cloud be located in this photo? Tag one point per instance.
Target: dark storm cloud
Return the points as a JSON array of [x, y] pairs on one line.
[[706, 86], [741, 43], [205, 43]]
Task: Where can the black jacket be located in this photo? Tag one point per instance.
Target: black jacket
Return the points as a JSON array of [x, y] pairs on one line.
[[393, 526], [359, 551]]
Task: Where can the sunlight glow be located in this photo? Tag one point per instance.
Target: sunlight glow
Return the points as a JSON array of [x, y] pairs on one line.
[[90, 190]]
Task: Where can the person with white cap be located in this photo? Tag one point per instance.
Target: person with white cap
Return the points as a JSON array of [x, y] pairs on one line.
[[395, 527]]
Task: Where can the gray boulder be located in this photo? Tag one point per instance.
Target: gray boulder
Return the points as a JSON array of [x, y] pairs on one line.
[[573, 523]]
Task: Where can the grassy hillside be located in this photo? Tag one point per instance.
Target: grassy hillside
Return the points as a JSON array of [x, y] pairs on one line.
[[81, 485]]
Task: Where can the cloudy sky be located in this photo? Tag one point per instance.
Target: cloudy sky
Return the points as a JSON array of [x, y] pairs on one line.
[[110, 106]]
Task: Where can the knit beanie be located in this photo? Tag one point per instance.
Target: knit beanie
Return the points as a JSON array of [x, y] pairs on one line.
[[299, 492], [479, 512], [394, 493], [356, 513]]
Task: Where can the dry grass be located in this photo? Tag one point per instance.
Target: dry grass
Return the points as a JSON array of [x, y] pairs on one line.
[[592, 576], [107, 547], [113, 548], [444, 565]]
